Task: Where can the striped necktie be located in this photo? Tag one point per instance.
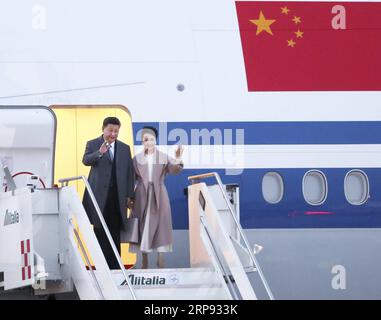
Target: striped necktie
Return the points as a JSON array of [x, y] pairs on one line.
[[111, 153]]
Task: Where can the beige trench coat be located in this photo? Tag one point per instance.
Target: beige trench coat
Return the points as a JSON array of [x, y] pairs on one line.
[[160, 223]]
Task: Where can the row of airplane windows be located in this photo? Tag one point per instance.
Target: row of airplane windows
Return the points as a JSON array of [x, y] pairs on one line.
[[315, 187]]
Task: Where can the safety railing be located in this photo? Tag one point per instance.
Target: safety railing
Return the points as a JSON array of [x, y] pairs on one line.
[[219, 263], [196, 179], [88, 263], [65, 182]]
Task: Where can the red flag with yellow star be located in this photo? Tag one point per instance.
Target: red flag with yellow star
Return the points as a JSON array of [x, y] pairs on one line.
[[311, 46]]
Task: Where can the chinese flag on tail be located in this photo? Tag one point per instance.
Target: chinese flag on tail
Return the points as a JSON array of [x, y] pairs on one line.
[[311, 46]]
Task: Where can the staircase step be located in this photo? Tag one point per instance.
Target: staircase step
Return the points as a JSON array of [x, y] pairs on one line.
[[175, 293], [168, 277], [171, 284]]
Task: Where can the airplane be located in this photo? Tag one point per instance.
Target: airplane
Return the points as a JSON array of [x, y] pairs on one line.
[[305, 162]]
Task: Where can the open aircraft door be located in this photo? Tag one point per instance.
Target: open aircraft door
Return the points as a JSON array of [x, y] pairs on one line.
[[77, 124]]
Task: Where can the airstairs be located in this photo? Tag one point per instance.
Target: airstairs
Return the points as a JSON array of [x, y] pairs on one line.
[[48, 246], [49, 243]]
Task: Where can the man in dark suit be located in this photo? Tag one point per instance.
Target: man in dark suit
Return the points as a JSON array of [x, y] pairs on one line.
[[112, 181]]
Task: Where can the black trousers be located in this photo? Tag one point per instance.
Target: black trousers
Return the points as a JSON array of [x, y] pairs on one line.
[[112, 216]]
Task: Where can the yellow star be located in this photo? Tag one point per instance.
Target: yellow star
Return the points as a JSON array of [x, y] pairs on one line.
[[299, 34], [263, 24], [291, 43], [297, 20], [285, 10]]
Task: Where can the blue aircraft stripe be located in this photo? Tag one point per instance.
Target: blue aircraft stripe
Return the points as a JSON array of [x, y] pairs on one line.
[[267, 133], [292, 211]]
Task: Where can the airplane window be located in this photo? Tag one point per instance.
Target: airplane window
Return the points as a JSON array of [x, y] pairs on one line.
[[315, 187], [356, 187], [272, 187]]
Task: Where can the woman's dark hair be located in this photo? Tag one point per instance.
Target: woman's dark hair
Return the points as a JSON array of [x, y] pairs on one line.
[[111, 120], [151, 130]]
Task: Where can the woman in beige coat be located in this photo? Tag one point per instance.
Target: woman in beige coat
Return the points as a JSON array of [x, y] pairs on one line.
[[151, 204]]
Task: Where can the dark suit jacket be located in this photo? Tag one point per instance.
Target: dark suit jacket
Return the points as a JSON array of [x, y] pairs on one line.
[[100, 175]]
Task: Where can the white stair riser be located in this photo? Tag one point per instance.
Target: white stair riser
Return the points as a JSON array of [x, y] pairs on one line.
[[176, 294]]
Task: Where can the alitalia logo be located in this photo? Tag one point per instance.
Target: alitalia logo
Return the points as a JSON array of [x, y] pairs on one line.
[[146, 281], [11, 217]]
